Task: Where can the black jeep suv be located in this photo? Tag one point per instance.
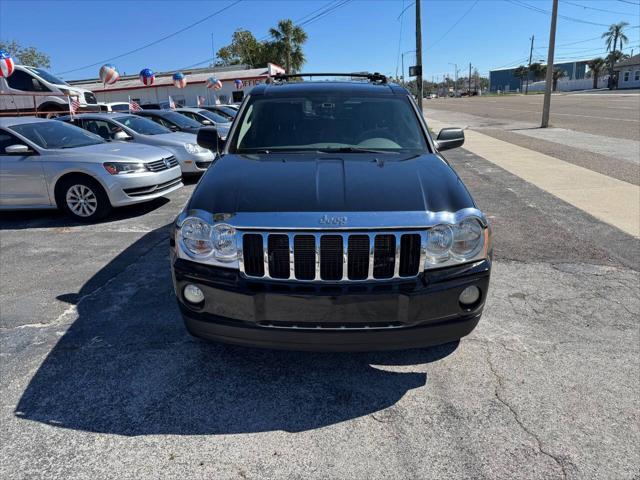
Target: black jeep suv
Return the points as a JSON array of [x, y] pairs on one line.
[[329, 221]]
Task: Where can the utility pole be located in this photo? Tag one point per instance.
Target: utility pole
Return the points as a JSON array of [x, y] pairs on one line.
[[419, 54], [402, 76], [526, 92], [469, 78], [213, 53], [552, 44], [455, 79]]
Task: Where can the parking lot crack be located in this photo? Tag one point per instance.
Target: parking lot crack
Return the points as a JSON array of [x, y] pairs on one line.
[[499, 388]]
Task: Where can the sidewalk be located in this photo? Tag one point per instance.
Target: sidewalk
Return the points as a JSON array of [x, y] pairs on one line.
[[610, 200]]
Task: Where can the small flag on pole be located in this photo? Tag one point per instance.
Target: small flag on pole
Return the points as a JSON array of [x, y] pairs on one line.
[[200, 101], [134, 106], [172, 104], [74, 105]]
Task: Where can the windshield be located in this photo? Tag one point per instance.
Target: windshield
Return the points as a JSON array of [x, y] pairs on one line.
[[231, 112], [55, 134], [180, 120], [330, 121], [143, 126], [47, 76], [120, 107], [214, 117]]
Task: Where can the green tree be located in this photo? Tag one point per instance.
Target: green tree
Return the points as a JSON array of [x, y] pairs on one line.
[[244, 48], [538, 71], [596, 67], [521, 72], [287, 42], [611, 38], [558, 73], [26, 55]]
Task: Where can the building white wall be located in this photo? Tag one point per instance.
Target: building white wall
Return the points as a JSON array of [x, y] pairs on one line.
[[568, 85], [632, 75]]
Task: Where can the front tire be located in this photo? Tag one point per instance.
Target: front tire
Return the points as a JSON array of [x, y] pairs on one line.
[[84, 199]]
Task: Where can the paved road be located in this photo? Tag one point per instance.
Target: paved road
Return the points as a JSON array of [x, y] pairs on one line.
[[100, 380], [616, 116]]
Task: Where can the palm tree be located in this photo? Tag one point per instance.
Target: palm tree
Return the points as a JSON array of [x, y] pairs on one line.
[[596, 66], [557, 75], [287, 40], [538, 71], [521, 72], [611, 37]]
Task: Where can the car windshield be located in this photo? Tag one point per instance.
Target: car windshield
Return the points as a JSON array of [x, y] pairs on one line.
[[220, 111], [55, 134], [143, 126], [345, 122], [231, 112], [120, 107], [47, 76], [180, 120], [214, 117]]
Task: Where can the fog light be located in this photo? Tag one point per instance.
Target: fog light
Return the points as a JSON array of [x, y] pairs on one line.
[[469, 295], [193, 294]]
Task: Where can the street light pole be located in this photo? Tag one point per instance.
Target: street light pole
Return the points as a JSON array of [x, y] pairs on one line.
[[526, 92], [552, 44]]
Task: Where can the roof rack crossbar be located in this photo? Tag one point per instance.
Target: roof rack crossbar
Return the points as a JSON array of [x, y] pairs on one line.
[[372, 77]]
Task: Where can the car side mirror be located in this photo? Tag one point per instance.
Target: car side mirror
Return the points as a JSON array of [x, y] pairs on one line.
[[449, 138], [208, 138], [120, 135], [207, 122], [18, 150]]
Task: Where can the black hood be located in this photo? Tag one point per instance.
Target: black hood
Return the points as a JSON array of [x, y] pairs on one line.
[[321, 183]]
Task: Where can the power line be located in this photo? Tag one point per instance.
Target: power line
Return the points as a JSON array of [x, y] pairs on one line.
[[596, 9], [546, 12], [454, 25], [316, 17], [630, 3], [162, 39]]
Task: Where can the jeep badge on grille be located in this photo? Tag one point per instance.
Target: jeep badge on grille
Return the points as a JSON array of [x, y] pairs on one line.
[[327, 220]]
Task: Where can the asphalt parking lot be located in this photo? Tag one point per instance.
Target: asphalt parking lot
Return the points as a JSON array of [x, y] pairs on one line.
[[100, 379]]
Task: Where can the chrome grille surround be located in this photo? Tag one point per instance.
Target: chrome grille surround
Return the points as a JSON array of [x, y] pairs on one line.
[[268, 254]]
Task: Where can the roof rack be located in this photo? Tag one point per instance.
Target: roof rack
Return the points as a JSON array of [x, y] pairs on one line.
[[372, 77]]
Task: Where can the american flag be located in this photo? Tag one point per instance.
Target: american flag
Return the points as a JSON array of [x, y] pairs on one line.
[[74, 105], [134, 106], [172, 104]]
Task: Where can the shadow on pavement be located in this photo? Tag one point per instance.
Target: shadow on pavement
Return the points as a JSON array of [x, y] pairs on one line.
[[23, 219], [127, 366]]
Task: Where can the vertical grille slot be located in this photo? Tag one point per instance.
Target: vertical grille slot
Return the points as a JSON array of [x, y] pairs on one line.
[[358, 264], [278, 256], [331, 257], [305, 257], [409, 254], [253, 254], [384, 256]]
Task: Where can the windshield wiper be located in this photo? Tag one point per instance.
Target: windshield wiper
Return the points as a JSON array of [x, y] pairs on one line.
[[353, 150]]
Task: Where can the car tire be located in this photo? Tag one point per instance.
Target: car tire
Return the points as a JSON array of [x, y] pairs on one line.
[[83, 198]]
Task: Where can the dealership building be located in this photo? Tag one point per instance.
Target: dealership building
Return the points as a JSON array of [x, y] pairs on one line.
[[504, 79], [237, 81]]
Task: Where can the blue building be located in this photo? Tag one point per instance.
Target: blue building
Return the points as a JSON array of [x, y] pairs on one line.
[[505, 80]]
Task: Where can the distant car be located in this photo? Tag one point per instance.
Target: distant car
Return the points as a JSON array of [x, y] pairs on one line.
[[114, 106], [50, 164], [121, 126], [174, 121], [222, 110], [205, 117]]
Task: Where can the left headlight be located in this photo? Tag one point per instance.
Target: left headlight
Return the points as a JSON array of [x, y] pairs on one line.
[[457, 243], [117, 168], [201, 240], [194, 148]]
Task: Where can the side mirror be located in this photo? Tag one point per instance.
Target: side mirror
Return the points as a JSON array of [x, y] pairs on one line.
[[207, 122], [18, 150], [120, 135], [208, 138], [450, 138]]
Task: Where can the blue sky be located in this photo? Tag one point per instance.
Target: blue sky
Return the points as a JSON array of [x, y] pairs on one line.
[[360, 35]]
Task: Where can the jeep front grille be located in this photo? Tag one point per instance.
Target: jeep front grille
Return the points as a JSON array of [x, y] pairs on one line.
[[332, 256]]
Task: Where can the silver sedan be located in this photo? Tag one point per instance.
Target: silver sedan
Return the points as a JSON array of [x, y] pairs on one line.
[[124, 126], [50, 164]]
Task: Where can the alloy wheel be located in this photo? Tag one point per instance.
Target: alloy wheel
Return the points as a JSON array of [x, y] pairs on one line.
[[81, 200]]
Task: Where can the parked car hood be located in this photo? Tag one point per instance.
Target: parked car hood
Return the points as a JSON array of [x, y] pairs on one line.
[[113, 151], [323, 182], [173, 139]]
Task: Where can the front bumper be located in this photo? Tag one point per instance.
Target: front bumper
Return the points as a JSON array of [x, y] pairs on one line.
[[141, 187], [194, 163], [351, 317]]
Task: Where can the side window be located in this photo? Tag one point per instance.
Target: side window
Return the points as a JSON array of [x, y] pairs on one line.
[[626, 76], [6, 139], [161, 121], [100, 127], [636, 76], [191, 115], [23, 81]]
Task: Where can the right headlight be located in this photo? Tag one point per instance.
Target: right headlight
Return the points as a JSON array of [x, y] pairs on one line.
[[202, 240], [454, 243]]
